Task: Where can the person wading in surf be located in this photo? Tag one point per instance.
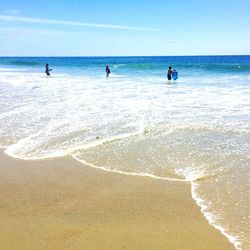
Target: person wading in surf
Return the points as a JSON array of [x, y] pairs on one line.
[[107, 71], [47, 69], [170, 71]]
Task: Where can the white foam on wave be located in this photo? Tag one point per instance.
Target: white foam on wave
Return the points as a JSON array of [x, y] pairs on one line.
[[12, 70], [128, 173], [11, 150]]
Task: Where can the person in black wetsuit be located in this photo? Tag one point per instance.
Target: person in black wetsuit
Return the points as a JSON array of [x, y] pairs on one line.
[[47, 69], [107, 71], [170, 71]]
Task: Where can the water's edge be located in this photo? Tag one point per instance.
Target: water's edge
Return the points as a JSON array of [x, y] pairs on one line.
[[193, 185]]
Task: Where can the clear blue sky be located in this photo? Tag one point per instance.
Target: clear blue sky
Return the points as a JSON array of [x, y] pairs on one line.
[[124, 27]]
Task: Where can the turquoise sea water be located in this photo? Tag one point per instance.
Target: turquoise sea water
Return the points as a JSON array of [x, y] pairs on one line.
[[136, 122]]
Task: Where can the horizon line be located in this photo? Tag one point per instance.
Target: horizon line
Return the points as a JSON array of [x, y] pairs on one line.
[[131, 55]]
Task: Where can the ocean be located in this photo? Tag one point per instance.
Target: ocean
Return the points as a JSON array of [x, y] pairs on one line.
[[136, 122]]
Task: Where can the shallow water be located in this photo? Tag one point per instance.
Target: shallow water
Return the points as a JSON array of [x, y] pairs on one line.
[[136, 122]]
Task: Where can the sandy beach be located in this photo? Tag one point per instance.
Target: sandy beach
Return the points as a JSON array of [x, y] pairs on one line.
[[62, 204]]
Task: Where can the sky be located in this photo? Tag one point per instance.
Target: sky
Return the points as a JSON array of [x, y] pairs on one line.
[[124, 27]]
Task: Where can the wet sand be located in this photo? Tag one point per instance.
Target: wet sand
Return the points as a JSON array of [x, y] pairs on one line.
[[62, 204]]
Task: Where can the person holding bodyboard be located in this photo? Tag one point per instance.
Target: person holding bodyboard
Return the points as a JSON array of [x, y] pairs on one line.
[[172, 74]]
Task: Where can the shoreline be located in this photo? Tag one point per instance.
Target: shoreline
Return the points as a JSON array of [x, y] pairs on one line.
[[210, 218], [63, 204]]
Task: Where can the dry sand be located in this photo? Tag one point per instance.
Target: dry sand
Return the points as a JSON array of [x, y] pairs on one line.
[[62, 204]]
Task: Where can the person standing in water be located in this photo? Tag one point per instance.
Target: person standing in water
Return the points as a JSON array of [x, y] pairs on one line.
[[170, 72], [47, 69], [107, 71]]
